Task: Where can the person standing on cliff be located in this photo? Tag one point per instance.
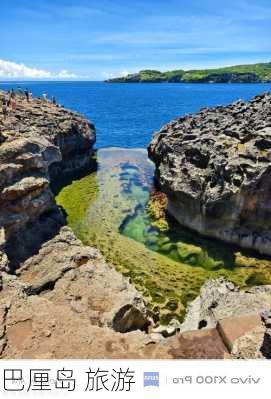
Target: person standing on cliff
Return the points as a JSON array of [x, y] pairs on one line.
[[12, 100], [8, 98], [13, 103], [12, 94], [26, 92], [4, 107], [20, 91]]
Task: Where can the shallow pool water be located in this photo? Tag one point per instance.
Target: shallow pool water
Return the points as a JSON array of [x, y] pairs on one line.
[[118, 210]]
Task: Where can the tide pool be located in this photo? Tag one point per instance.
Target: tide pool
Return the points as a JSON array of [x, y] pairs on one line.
[[114, 209]]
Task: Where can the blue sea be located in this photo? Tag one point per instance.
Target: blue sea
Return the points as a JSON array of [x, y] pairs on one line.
[[126, 115]]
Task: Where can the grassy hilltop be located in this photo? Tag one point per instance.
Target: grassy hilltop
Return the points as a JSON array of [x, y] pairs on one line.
[[251, 73]]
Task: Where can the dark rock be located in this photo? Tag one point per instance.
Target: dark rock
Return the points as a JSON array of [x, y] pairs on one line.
[[215, 168]]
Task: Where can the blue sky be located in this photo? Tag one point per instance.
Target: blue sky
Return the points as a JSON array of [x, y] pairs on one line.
[[101, 38]]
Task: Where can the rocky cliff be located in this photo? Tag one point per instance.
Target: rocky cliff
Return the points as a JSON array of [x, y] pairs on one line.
[[59, 298], [215, 168], [41, 144]]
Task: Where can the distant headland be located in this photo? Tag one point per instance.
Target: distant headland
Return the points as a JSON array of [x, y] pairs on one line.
[[251, 73]]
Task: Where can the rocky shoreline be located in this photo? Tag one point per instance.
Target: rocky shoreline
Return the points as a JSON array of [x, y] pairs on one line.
[[214, 167], [59, 298]]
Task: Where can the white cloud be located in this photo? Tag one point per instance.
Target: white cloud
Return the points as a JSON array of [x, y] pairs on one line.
[[116, 74], [64, 74], [124, 73], [12, 70]]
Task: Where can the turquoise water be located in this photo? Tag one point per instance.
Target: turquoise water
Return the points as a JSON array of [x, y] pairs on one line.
[[126, 115], [178, 243], [109, 209]]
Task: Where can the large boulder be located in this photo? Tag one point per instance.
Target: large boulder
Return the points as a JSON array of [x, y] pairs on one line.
[[220, 299], [240, 317], [215, 169]]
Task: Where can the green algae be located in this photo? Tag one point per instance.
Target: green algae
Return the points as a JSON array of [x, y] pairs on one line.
[[109, 209], [257, 278], [75, 199]]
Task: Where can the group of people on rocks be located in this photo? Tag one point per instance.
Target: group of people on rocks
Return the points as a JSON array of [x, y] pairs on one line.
[[45, 98], [9, 100]]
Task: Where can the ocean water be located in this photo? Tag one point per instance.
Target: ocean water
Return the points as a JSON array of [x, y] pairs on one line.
[[126, 115]]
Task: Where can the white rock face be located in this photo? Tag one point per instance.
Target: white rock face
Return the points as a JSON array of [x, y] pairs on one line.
[[221, 299]]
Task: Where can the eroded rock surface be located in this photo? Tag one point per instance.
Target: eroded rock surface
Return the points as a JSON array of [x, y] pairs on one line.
[[40, 144], [241, 317], [63, 303], [215, 168], [220, 299]]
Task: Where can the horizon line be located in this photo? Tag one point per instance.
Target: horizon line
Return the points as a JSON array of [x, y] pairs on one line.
[[88, 79]]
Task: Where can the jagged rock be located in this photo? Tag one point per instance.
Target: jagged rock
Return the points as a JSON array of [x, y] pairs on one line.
[[3, 261], [203, 344], [42, 144], [4, 266], [220, 299], [172, 328], [234, 328], [256, 342], [236, 314], [249, 346], [130, 317], [215, 169], [265, 349], [68, 290], [64, 270], [244, 336]]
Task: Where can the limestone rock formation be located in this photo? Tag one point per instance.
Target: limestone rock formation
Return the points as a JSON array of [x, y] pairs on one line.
[[215, 168], [221, 299], [242, 318], [41, 144], [64, 301]]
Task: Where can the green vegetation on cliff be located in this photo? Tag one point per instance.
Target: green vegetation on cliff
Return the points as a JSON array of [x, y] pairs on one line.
[[252, 73]]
